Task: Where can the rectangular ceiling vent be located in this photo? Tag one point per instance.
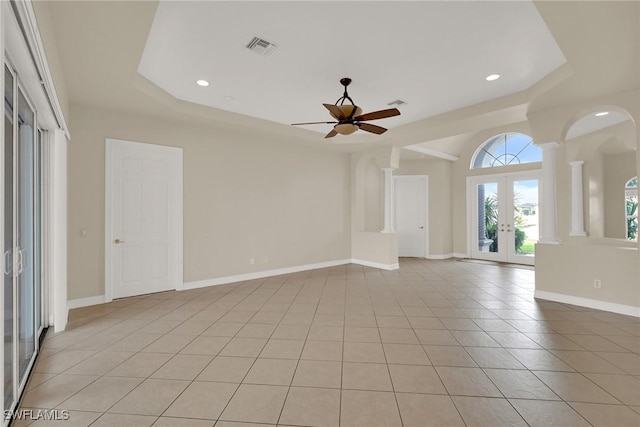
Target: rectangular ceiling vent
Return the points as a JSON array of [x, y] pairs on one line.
[[396, 103], [261, 46]]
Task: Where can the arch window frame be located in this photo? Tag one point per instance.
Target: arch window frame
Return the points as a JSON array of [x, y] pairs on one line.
[[506, 158]]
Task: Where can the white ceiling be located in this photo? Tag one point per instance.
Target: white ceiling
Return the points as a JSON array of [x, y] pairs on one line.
[[433, 55]]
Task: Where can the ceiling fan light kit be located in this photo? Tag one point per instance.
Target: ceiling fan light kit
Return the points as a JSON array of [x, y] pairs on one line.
[[350, 116], [345, 128]]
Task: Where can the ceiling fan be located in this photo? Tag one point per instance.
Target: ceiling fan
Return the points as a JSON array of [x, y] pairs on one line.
[[350, 118]]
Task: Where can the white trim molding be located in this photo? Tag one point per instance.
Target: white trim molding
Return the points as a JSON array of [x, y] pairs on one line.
[[85, 302], [447, 256], [101, 299], [613, 307], [375, 264], [262, 274], [439, 256], [28, 21]]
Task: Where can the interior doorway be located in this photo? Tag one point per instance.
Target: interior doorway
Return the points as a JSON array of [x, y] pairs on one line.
[[504, 217], [411, 214], [143, 219]]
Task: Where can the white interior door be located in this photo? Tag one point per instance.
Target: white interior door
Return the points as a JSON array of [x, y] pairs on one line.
[[143, 218], [410, 193], [504, 218]]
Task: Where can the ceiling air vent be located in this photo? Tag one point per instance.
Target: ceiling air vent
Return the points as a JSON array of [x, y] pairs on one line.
[[397, 103], [261, 46]]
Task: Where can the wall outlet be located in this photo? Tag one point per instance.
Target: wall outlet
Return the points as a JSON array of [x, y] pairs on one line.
[[266, 260], [597, 283], [252, 260]]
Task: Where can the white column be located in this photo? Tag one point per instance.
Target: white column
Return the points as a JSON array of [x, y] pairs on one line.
[[388, 201], [577, 205], [548, 225]]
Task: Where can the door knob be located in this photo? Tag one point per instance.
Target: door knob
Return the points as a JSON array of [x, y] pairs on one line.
[[118, 241], [421, 227]]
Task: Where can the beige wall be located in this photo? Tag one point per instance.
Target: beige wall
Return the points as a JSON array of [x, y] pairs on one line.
[[245, 195], [373, 197], [570, 267], [618, 169], [561, 269], [376, 249], [440, 225]]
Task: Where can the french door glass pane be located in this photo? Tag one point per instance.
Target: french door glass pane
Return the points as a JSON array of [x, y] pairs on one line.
[[525, 216], [8, 239], [487, 197], [26, 270]]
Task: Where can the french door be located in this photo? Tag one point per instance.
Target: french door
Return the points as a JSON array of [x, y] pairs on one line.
[[505, 217], [22, 231]]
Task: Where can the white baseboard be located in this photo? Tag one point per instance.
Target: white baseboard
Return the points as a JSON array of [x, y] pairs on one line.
[[627, 310], [100, 299], [85, 302], [375, 264], [439, 256], [262, 274], [460, 255]]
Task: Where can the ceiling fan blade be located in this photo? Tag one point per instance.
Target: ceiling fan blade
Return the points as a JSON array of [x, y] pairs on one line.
[[331, 134], [335, 111], [371, 128], [314, 123], [382, 114]]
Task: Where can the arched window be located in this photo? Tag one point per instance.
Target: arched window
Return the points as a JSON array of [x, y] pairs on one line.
[[506, 149], [631, 205]]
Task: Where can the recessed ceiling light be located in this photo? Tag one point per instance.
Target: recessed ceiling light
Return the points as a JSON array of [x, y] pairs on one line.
[[492, 77], [202, 83], [602, 113]]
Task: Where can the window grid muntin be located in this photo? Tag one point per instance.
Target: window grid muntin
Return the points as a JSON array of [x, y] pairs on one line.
[[496, 151]]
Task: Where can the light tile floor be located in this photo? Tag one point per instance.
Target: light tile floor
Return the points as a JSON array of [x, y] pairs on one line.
[[437, 343]]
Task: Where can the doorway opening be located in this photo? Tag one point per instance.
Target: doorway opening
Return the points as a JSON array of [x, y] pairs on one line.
[[143, 219], [411, 215], [504, 217]]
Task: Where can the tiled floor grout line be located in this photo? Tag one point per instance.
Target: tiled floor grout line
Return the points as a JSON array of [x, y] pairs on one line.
[[469, 298], [284, 403], [254, 359], [386, 361], [440, 378], [160, 367], [149, 376]]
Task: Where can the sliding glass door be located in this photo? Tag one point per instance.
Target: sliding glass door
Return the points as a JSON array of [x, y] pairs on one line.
[[26, 224], [21, 212], [9, 237]]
